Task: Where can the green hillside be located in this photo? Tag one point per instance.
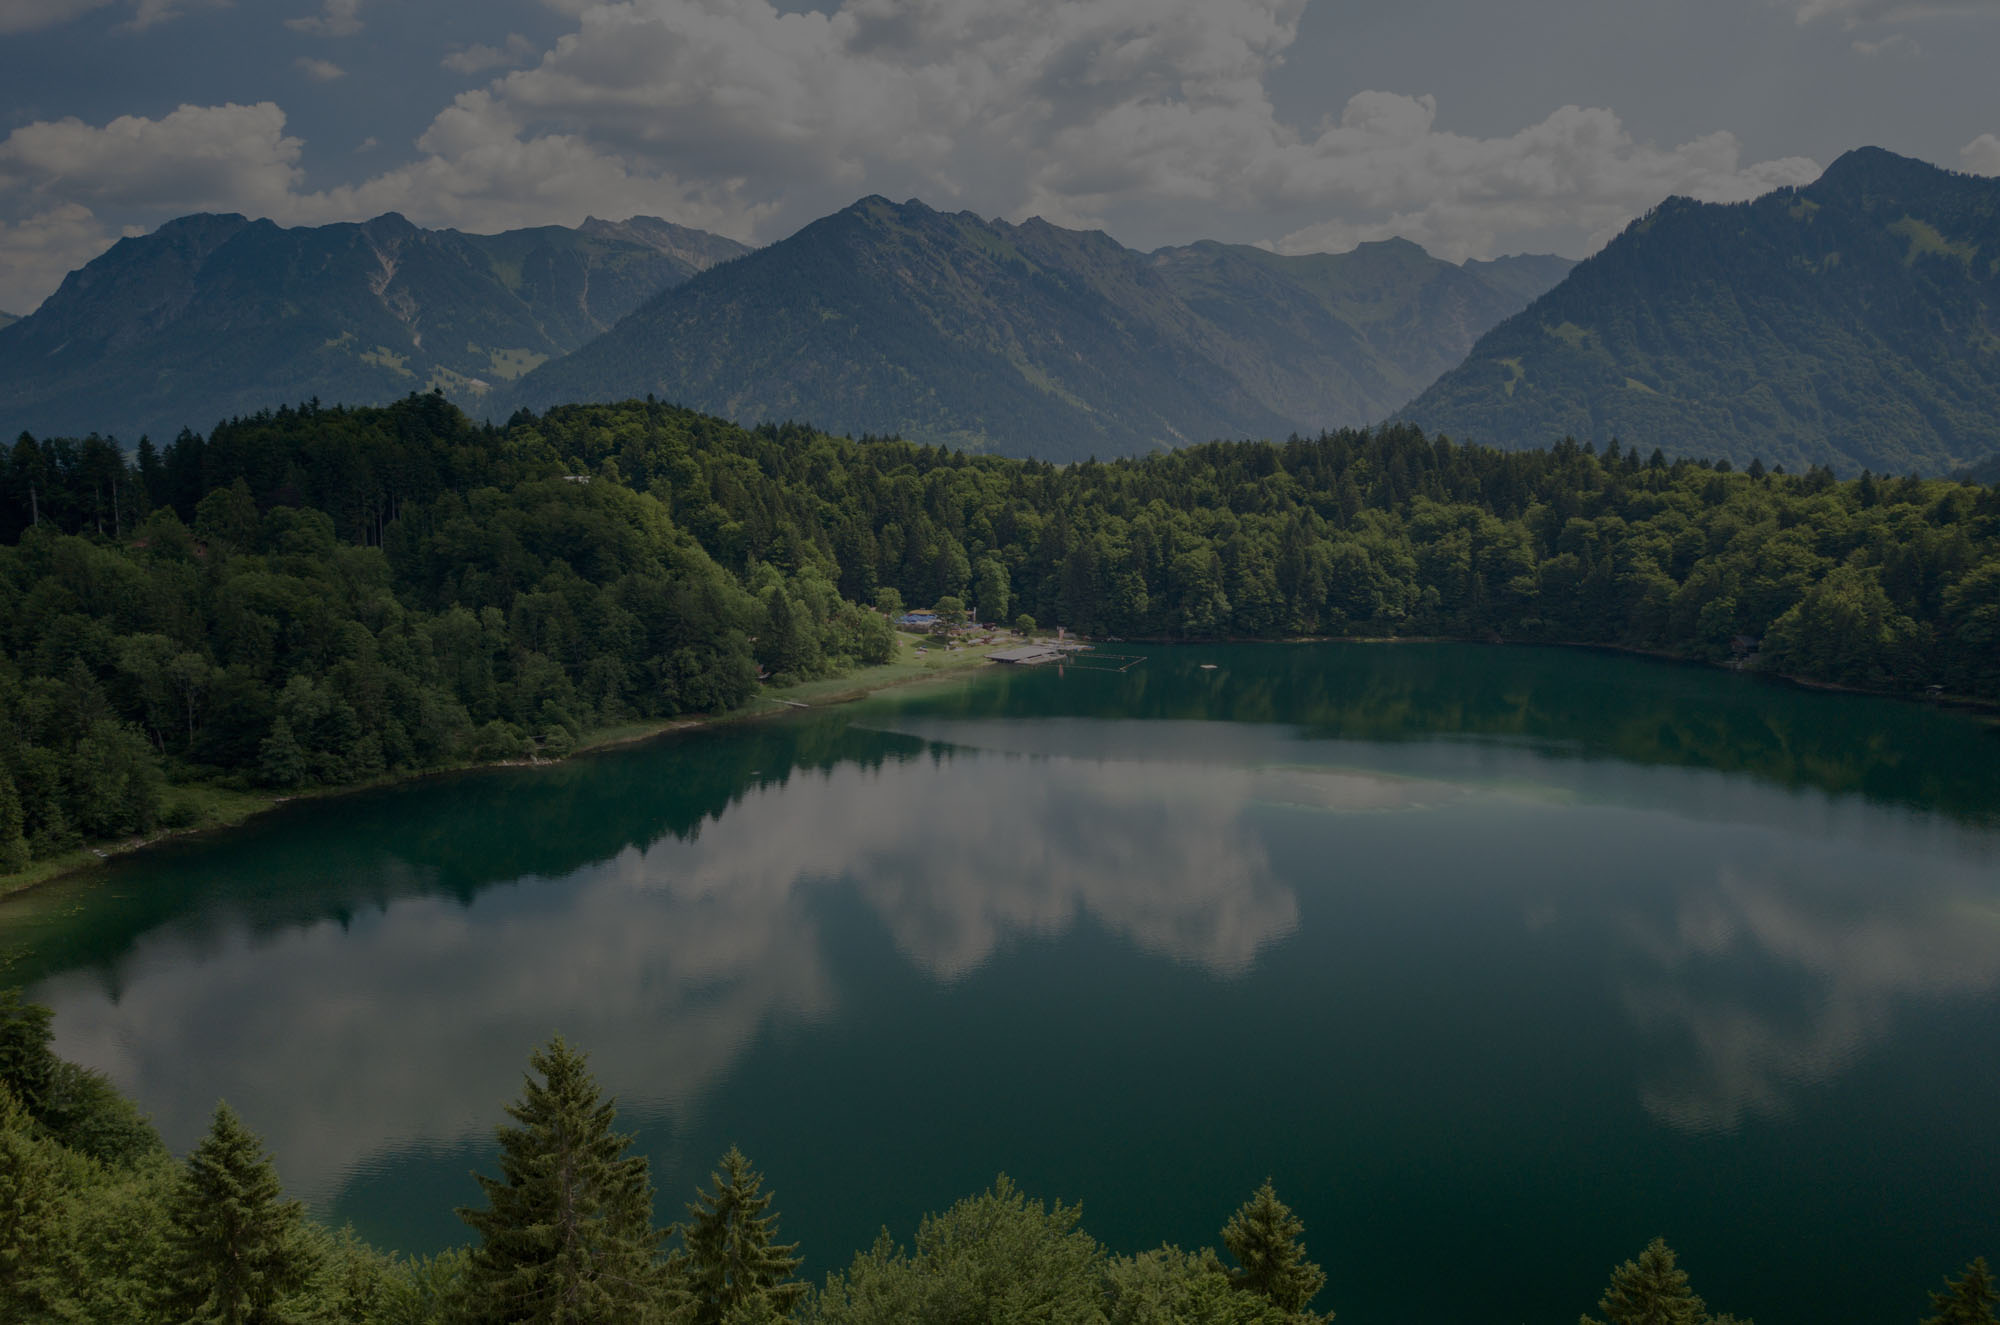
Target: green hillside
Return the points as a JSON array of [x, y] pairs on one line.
[[215, 316], [1032, 339], [1853, 323]]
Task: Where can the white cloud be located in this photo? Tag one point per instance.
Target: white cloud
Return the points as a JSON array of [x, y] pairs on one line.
[[320, 71], [1981, 156], [197, 158], [1896, 43], [337, 18], [732, 116], [37, 251], [1464, 197], [1070, 109], [478, 58]]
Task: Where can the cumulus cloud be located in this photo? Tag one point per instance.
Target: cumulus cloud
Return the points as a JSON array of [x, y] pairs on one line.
[[1981, 156], [735, 117], [196, 158], [1069, 109], [320, 71], [337, 18], [38, 250], [1465, 197], [478, 58]]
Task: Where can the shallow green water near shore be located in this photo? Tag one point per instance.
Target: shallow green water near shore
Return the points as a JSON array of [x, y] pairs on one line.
[[1499, 961]]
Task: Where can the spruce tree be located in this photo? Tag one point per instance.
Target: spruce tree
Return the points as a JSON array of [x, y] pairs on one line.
[[567, 1235], [1263, 1236], [281, 761], [14, 854], [1966, 1300], [32, 1214], [236, 1249], [1653, 1290], [27, 1067], [732, 1263]]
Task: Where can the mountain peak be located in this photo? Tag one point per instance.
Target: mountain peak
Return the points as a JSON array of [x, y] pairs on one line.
[[392, 222], [1842, 324], [214, 315], [1866, 170]]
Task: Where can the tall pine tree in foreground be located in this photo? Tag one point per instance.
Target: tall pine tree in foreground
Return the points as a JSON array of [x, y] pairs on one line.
[[567, 1237], [236, 1249], [732, 1263], [1263, 1236], [1653, 1290], [1966, 1300]]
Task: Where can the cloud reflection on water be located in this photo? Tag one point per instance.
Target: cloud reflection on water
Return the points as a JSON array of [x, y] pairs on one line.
[[1841, 928], [406, 1025]]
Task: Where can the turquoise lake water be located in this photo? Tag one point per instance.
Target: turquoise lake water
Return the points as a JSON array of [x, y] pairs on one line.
[[1499, 961]]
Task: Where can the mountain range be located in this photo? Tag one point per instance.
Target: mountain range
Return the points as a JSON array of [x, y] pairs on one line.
[[1854, 322], [1036, 340], [212, 316]]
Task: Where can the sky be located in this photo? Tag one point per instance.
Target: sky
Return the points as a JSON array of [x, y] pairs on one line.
[[1471, 127]]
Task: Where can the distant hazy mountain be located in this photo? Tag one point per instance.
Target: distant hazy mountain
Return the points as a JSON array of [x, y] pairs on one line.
[[211, 316], [7, 318], [1036, 340], [1854, 322]]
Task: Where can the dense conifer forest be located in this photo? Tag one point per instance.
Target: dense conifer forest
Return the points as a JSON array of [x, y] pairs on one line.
[[99, 1223], [325, 596]]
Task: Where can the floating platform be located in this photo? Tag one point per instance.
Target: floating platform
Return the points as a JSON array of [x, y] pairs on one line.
[[1027, 654], [1068, 654]]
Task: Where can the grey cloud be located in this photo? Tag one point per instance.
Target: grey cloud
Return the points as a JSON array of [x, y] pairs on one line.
[[337, 18], [1896, 43], [36, 15], [1889, 11], [320, 71], [479, 57], [732, 116]]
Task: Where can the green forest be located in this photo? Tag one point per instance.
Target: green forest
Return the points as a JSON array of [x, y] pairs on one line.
[[318, 597], [99, 1223]]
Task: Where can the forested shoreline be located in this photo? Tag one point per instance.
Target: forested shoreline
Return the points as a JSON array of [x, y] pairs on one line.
[[319, 597], [101, 1223]]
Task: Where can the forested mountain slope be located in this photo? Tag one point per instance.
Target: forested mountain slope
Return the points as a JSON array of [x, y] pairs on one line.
[[1036, 340], [215, 316], [1853, 323]]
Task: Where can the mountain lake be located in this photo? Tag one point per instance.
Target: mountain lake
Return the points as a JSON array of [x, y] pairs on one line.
[[1498, 960]]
